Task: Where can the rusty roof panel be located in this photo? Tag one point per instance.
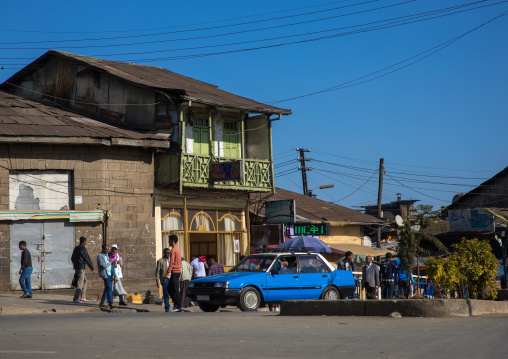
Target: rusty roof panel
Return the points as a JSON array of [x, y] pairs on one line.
[[162, 79], [20, 117]]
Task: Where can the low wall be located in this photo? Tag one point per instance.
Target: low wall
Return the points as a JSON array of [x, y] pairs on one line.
[[406, 307]]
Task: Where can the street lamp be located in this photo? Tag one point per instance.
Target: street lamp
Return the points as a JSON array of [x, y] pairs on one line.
[[309, 192]]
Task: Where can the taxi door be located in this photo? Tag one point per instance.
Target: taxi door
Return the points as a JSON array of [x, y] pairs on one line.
[[283, 284], [314, 276]]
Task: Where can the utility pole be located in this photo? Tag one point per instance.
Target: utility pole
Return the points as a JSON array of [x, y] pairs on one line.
[[304, 169], [379, 195]]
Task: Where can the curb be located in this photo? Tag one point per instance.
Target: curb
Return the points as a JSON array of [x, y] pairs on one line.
[[383, 308]]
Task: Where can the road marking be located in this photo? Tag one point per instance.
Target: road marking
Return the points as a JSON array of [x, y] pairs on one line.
[[25, 352]]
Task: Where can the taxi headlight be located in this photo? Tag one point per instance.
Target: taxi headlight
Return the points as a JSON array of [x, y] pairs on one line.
[[191, 285], [221, 284]]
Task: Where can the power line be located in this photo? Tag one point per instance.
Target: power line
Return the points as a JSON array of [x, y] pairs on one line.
[[170, 27], [428, 53], [399, 22], [210, 28]]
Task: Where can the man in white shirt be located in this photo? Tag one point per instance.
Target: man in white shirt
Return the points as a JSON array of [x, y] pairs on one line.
[[198, 268]]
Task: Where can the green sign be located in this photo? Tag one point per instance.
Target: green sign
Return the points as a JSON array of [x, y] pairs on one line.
[[321, 229]]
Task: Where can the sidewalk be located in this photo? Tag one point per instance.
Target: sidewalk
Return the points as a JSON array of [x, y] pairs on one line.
[[12, 304]]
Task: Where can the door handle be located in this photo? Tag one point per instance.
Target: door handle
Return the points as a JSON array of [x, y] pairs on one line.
[[295, 276], [324, 276]]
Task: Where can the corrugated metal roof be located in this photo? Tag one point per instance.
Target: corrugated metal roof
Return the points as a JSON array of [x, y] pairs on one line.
[[21, 117], [159, 78], [315, 209]]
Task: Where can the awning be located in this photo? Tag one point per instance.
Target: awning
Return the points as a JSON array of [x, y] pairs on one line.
[[71, 216], [358, 249]]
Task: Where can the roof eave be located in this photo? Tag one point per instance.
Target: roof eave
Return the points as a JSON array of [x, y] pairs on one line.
[[271, 110], [86, 141]]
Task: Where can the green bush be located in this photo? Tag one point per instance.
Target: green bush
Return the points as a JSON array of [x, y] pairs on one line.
[[476, 267]]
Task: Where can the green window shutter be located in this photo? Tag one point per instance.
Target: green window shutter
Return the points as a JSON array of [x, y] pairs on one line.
[[231, 140], [201, 146]]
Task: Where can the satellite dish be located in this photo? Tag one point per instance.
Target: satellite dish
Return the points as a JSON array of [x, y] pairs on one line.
[[398, 220]]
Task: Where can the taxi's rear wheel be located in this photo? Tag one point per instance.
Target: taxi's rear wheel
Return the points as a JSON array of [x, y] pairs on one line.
[[207, 307], [330, 293], [249, 299]]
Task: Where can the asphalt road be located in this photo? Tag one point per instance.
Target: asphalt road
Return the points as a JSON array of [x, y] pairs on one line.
[[248, 335]]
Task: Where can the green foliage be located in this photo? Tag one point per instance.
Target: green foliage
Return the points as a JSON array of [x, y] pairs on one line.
[[476, 266], [444, 274], [411, 237]]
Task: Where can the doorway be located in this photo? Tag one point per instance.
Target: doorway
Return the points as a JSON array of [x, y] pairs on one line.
[[203, 244], [51, 244]]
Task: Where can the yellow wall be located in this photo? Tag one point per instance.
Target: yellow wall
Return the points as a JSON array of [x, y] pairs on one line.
[[344, 234]]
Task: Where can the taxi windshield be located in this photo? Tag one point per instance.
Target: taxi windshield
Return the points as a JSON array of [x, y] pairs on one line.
[[254, 263]]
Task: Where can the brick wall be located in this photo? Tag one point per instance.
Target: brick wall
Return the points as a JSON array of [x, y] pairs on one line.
[[118, 179]]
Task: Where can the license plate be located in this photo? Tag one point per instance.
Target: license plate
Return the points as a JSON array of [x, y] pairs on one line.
[[203, 297]]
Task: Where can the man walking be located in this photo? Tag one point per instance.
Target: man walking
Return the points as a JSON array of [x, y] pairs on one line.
[[26, 271], [387, 271], [80, 260], [104, 268], [346, 263], [184, 282], [174, 272], [160, 271], [370, 278]]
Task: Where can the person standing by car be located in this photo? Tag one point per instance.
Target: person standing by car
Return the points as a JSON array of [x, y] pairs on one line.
[[198, 268], [370, 278], [387, 271], [25, 272], [214, 268], [80, 259], [160, 271], [346, 263], [174, 272]]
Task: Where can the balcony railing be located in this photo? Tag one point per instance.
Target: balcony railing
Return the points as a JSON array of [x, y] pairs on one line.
[[196, 172]]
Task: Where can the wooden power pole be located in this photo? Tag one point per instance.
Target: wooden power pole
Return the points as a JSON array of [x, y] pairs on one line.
[[304, 169], [379, 195]]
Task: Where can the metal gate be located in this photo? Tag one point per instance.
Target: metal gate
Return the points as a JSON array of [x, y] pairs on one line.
[[50, 243]]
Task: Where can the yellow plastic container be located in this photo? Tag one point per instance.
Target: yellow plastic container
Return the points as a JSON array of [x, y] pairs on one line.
[[134, 298]]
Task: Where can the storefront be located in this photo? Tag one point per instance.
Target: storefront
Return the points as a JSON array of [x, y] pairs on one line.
[[210, 231]]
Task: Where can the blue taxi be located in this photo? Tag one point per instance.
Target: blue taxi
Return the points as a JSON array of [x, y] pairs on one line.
[[268, 278]]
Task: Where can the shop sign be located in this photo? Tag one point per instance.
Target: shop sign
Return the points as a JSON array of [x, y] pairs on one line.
[[321, 229], [226, 171]]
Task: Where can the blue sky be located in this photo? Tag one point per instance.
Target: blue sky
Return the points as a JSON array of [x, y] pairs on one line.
[[440, 124]]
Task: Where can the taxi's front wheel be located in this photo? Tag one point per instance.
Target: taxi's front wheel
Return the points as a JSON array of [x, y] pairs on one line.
[[249, 299]]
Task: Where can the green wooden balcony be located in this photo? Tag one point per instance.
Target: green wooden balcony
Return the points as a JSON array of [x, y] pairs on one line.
[[195, 172]]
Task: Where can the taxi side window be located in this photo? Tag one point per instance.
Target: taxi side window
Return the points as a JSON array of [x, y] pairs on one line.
[[288, 265], [312, 264]]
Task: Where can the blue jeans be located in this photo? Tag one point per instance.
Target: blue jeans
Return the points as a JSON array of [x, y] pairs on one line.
[[108, 291], [165, 293], [25, 280]]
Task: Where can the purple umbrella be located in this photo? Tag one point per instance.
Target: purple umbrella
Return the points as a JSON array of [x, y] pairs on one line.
[[306, 241]]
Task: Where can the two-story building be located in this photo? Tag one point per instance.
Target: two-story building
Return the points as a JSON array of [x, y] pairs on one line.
[[220, 150]]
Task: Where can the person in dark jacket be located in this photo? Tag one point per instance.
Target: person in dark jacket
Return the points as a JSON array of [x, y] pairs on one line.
[[387, 272], [346, 263], [80, 260], [26, 271]]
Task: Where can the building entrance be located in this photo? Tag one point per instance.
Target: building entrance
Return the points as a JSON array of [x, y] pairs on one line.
[[203, 244]]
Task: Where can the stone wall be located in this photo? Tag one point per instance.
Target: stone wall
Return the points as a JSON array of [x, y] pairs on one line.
[[117, 179]]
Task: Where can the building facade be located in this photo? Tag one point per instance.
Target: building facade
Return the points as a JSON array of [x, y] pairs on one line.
[[193, 183]]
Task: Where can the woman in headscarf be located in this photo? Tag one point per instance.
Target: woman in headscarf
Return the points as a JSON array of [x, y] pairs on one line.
[[117, 274]]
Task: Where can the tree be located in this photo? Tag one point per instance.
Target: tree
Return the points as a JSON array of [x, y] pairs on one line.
[[476, 266], [444, 274], [411, 238]]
